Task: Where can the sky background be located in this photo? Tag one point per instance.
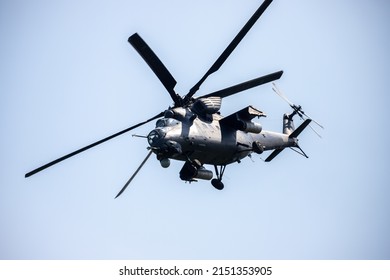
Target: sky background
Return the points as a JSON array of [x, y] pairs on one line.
[[68, 77]]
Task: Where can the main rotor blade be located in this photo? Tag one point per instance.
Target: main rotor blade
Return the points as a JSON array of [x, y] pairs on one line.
[[246, 85], [135, 173], [90, 146], [313, 121], [156, 65], [230, 48]]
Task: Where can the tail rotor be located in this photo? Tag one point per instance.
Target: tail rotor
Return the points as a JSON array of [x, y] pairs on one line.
[[297, 109]]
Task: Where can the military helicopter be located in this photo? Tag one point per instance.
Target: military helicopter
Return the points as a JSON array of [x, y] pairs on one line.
[[192, 130]]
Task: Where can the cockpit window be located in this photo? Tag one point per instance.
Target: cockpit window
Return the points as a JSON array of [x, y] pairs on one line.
[[160, 123], [166, 122]]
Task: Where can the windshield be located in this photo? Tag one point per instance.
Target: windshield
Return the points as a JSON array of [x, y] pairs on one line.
[[166, 122]]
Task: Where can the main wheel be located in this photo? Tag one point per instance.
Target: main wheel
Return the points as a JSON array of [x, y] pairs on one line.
[[217, 184]]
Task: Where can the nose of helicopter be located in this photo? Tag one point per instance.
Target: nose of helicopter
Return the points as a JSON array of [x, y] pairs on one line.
[[155, 137], [163, 145]]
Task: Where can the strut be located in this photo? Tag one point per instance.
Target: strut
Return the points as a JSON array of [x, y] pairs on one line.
[[217, 182]]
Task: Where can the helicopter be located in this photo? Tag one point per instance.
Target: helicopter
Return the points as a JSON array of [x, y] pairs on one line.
[[193, 130]]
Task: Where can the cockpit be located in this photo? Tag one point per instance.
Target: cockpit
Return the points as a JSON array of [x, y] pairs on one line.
[[166, 122]]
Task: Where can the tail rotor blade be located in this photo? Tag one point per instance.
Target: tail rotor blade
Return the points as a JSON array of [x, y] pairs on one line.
[[135, 174], [280, 93], [297, 109], [313, 120], [39, 169], [315, 131]]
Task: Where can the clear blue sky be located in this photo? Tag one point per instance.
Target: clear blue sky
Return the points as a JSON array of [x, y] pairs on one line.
[[68, 77]]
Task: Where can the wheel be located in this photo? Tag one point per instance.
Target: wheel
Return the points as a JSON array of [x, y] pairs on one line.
[[217, 184]]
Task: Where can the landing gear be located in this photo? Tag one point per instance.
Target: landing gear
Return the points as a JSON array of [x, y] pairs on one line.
[[217, 183], [193, 169]]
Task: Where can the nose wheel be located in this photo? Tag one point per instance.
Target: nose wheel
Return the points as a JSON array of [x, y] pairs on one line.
[[217, 182]]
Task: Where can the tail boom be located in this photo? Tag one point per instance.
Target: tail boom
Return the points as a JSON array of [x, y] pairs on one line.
[[288, 125]]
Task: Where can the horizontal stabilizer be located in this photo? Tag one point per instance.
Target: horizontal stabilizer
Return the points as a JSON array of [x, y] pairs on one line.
[[294, 134], [273, 154], [298, 131]]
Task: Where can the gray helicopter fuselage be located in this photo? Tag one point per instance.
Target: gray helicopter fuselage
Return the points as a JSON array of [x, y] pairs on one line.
[[208, 140]]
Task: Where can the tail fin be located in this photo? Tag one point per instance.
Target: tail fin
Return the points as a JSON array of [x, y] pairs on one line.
[[294, 134], [288, 124]]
